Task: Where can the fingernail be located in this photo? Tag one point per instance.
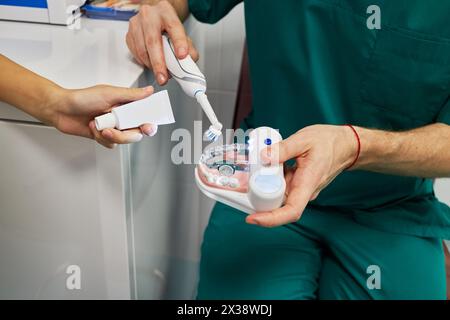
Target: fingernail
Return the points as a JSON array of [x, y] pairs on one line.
[[148, 89], [153, 130], [182, 51], [266, 156], [161, 78], [135, 137], [265, 160], [252, 221], [150, 130], [107, 134]]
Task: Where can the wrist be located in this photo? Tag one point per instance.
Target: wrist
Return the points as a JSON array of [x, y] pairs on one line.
[[376, 147], [374, 144], [364, 152], [56, 100], [181, 6], [353, 149]]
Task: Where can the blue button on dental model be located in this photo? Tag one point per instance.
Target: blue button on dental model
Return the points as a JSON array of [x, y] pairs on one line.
[[268, 142]]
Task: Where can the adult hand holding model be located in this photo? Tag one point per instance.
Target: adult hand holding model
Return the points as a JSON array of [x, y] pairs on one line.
[[146, 28], [70, 111], [322, 152]]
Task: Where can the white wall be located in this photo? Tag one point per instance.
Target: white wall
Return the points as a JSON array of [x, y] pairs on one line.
[[222, 59], [442, 187]]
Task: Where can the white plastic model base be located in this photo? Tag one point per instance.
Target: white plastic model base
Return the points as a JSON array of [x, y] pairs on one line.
[[235, 175], [233, 199]]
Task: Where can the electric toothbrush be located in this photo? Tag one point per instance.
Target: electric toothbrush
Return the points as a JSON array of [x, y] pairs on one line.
[[236, 176], [193, 83]]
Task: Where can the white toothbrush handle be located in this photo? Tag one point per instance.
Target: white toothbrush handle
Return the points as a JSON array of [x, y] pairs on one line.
[[185, 71], [193, 83], [202, 99]]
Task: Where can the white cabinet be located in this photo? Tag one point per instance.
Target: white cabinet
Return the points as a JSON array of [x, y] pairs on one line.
[[62, 203], [129, 218]]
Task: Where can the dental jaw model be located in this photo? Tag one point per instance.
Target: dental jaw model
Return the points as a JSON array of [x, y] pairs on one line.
[[235, 175], [193, 83]]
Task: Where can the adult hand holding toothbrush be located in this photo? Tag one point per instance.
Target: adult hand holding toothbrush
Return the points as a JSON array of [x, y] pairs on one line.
[[69, 111], [145, 29], [157, 39]]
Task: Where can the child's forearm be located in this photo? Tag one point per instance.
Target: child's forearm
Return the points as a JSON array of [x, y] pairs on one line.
[[27, 91]]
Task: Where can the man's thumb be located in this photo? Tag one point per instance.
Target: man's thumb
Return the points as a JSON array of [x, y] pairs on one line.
[[271, 154], [279, 152]]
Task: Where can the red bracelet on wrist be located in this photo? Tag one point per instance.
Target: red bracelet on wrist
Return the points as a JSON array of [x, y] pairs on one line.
[[359, 146]]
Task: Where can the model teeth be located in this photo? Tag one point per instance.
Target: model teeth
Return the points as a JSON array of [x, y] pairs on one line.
[[223, 181], [234, 183], [224, 159]]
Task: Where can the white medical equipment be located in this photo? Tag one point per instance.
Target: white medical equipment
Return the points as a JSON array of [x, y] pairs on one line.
[[63, 12]]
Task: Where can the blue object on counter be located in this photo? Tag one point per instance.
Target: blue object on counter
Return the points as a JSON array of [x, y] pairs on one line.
[[25, 3], [94, 12]]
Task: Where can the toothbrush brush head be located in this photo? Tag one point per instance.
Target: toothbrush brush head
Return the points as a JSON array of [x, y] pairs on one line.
[[212, 134]]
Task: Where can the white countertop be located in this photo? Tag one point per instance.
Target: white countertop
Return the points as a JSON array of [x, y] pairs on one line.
[[94, 54]]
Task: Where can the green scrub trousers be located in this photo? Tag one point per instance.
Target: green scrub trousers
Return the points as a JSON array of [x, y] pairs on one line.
[[368, 235], [325, 256]]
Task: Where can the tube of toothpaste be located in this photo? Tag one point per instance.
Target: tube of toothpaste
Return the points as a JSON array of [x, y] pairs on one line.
[[155, 109]]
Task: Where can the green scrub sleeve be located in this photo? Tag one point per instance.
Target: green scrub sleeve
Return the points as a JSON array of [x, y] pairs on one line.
[[211, 11], [444, 115]]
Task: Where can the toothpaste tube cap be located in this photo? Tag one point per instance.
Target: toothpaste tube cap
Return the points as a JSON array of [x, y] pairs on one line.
[[105, 121]]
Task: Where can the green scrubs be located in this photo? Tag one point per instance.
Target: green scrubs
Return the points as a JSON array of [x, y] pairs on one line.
[[317, 62]]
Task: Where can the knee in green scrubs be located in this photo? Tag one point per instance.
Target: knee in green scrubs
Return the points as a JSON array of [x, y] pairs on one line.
[[326, 255], [316, 62]]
